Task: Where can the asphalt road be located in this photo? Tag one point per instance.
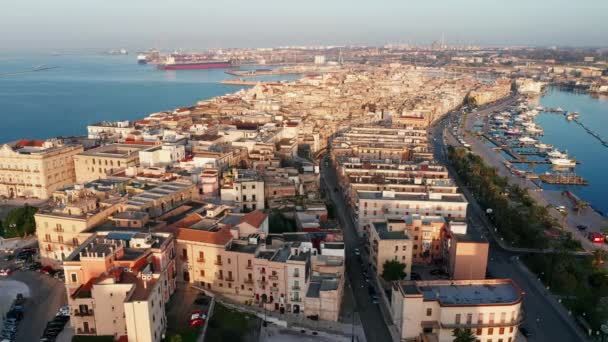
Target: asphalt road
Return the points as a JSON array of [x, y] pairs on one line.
[[46, 296], [374, 326], [542, 320]]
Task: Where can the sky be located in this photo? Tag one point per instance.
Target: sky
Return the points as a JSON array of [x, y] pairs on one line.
[[189, 24]]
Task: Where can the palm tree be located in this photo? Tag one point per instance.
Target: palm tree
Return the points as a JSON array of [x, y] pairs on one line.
[[564, 216], [463, 335], [580, 206]]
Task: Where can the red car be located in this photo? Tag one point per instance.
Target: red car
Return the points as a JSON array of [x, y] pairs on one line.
[[46, 270], [196, 322], [6, 272], [596, 237]]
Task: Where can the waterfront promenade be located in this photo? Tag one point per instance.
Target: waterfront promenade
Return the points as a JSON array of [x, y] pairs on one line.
[[551, 198]]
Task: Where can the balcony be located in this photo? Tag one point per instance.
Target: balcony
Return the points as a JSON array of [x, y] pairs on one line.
[[274, 289], [273, 277], [296, 287], [249, 267], [81, 331], [88, 312], [219, 276], [202, 261], [218, 262], [230, 279], [262, 282], [295, 300], [58, 230], [296, 275], [474, 325], [248, 281]]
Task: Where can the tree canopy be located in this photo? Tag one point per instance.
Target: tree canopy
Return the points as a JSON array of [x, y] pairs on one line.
[[393, 270], [19, 222], [463, 335]]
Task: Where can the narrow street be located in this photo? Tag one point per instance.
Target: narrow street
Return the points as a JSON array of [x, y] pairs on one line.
[[370, 315]]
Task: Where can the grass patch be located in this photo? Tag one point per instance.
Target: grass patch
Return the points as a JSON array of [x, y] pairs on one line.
[[228, 325], [187, 334]]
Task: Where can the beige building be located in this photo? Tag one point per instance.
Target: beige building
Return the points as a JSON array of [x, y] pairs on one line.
[[245, 188], [36, 168], [431, 310], [467, 252], [99, 162], [61, 224], [120, 291], [387, 244], [375, 205]]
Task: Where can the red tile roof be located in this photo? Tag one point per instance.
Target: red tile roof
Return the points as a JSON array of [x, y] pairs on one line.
[[254, 218], [29, 143], [221, 237]]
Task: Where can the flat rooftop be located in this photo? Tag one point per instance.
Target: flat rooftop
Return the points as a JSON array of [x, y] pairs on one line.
[[401, 196], [464, 292], [385, 234]]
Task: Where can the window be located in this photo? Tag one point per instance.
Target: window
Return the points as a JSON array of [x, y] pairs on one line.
[[492, 318], [74, 277], [480, 318], [457, 319], [479, 331], [469, 318], [253, 187], [201, 256], [429, 311], [490, 331], [404, 248], [253, 197], [202, 273], [396, 248], [503, 317], [244, 198], [511, 329], [501, 331]]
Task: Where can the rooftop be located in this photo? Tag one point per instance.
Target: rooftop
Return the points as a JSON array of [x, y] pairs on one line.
[[402, 196], [385, 234], [464, 292]]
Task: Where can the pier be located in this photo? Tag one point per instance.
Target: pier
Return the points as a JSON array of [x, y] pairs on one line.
[[563, 179], [239, 82]]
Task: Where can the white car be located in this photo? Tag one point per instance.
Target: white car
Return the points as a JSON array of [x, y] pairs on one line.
[[63, 311], [5, 272]]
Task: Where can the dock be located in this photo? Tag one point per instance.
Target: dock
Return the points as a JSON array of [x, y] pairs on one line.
[[563, 179], [239, 82]]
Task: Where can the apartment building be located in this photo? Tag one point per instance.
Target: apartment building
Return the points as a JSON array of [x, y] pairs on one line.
[[162, 155], [98, 163], [244, 188], [36, 168], [325, 289], [375, 205], [426, 233], [466, 252], [115, 290], [61, 224], [386, 244], [157, 198], [431, 310]]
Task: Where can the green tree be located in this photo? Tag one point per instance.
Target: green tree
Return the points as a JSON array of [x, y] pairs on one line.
[[175, 338], [463, 335], [599, 255], [393, 270], [19, 222]]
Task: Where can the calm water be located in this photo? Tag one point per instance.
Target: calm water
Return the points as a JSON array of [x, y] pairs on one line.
[[569, 136], [85, 89]]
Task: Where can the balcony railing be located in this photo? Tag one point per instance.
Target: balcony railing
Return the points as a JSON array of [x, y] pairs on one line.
[[296, 275], [249, 267], [274, 289], [219, 276], [218, 262], [230, 279], [83, 313], [273, 277], [296, 300], [201, 260], [248, 281], [473, 325], [295, 287], [262, 282]]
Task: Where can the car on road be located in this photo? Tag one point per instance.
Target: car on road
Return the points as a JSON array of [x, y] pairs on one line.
[[47, 270], [560, 208], [63, 311], [198, 314], [5, 272], [581, 227], [415, 276], [595, 237], [357, 252], [196, 322], [375, 299]]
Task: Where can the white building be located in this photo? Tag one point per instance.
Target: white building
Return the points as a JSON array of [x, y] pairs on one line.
[[245, 188], [431, 310], [374, 205], [162, 155]]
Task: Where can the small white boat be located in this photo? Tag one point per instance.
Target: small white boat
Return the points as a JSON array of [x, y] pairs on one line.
[[557, 154], [563, 162]]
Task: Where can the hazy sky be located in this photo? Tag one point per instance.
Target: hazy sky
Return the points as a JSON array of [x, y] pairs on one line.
[[60, 24]]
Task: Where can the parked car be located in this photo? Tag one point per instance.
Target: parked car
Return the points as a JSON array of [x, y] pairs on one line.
[[63, 311], [5, 272], [595, 237], [198, 314], [196, 322], [581, 227], [47, 270]]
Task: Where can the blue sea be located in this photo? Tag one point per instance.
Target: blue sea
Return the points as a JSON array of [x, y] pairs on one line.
[[87, 88], [569, 136]]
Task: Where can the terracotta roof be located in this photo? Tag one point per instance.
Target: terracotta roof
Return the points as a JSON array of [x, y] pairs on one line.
[[254, 218], [31, 143], [221, 237]]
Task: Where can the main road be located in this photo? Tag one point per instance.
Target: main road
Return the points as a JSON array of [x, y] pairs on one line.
[[371, 317], [542, 317]]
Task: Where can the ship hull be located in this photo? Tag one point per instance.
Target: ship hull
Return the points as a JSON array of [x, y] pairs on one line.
[[194, 66]]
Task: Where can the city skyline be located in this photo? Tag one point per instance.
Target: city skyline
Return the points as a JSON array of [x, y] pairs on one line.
[[66, 24]]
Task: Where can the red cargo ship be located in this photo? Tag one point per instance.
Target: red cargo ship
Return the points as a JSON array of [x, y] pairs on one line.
[[172, 64]]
